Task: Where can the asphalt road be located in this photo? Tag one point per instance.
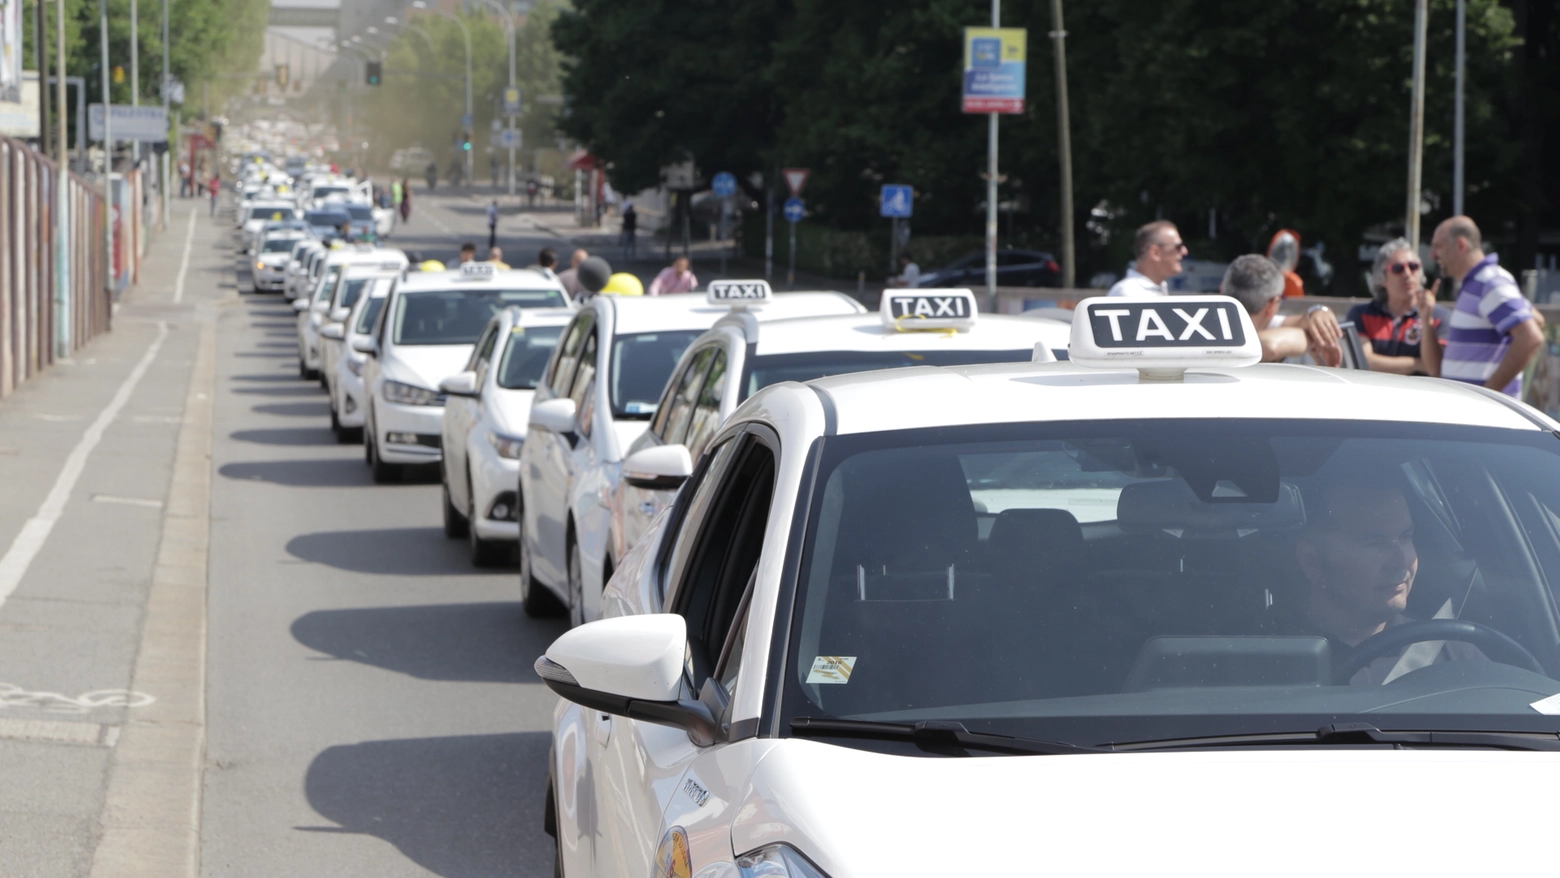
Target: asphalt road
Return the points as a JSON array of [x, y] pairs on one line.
[[371, 708]]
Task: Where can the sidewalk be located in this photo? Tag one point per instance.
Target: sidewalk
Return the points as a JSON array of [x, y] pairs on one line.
[[87, 455]]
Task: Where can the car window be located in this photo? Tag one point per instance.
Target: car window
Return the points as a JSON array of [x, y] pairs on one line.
[[1015, 257], [725, 544], [675, 422], [279, 245], [1117, 581], [706, 413], [526, 355], [569, 354], [584, 383], [640, 365], [327, 284], [369, 314], [456, 316], [483, 349]]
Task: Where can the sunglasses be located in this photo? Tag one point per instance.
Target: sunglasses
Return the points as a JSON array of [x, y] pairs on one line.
[[1404, 267], [1178, 247]]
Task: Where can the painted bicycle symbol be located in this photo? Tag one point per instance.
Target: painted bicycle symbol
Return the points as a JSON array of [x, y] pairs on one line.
[[15, 696]]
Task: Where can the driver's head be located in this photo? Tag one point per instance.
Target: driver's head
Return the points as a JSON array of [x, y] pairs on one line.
[[1357, 554]]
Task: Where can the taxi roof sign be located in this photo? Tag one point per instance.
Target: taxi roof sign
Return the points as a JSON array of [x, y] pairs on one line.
[[739, 292], [913, 310], [1162, 337], [476, 270]]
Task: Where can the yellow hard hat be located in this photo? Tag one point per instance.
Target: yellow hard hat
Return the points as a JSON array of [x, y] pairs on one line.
[[624, 284], [431, 265]]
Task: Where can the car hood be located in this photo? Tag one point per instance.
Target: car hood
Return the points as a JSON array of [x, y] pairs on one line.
[[425, 365], [1296, 812], [510, 410]]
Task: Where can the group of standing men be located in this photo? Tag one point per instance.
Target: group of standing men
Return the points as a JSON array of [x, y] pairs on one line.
[[1487, 338]]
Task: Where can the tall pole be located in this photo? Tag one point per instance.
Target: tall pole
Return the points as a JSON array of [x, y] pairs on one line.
[[1064, 145], [135, 73], [1416, 124], [60, 86], [991, 189], [62, 225], [173, 136], [769, 227], [465, 33], [509, 32], [108, 148], [1457, 112], [41, 61]]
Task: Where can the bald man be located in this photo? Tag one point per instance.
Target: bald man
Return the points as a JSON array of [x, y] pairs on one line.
[[1494, 332], [571, 278]]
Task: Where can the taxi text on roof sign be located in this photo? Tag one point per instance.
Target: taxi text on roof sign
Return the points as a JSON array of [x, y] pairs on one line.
[[1171, 333], [738, 292], [477, 270], [911, 310]]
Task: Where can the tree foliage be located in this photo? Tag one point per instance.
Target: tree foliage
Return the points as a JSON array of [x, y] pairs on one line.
[[1290, 113]]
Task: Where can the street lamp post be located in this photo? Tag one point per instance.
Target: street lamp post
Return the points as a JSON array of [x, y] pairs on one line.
[[166, 171], [108, 149], [465, 32], [509, 27]]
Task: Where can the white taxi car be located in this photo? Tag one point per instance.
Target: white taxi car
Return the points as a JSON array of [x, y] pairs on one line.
[[1151, 611], [484, 428], [740, 356], [345, 385], [258, 213], [425, 333], [354, 282], [313, 309], [297, 268], [580, 428], [272, 257]]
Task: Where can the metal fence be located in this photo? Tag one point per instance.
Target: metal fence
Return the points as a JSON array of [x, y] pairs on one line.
[[40, 323]]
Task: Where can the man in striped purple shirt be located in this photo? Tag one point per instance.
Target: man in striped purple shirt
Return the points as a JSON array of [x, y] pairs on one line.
[[1494, 331]]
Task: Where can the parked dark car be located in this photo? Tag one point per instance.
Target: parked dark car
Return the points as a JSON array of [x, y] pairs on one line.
[[1015, 268], [327, 223]]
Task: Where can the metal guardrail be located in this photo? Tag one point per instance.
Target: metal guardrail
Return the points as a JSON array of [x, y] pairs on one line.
[[40, 323]]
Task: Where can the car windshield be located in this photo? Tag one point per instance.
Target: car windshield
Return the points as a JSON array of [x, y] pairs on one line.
[[370, 313], [641, 364], [271, 213], [280, 245], [774, 368], [324, 191], [1138, 580], [360, 211], [330, 218], [456, 316], [526, 355]]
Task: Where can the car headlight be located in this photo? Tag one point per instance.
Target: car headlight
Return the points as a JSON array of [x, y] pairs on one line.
[[259, 266], [506, 446], [355, 366], [777, 861], [409, 394]]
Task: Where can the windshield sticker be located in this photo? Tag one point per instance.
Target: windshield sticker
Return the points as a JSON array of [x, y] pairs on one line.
[[832, 669], [1548, 706], [640, 408]]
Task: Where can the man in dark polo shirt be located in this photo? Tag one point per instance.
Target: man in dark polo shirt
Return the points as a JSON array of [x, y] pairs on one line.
[[1358, 559], [1392, 323]]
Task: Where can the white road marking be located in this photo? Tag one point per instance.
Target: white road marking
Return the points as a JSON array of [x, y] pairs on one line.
[[29, 541], [184, 265], [127, 501], [56, 732], [16, 696]]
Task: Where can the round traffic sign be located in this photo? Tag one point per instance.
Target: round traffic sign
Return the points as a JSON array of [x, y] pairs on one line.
[[795, 209], [724, 184]]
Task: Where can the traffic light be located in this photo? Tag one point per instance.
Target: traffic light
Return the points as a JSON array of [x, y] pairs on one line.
[[465, 141], [118, 74], [373, 72]]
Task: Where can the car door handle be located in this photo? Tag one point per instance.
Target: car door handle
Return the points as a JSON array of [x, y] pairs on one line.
[[647, 507]]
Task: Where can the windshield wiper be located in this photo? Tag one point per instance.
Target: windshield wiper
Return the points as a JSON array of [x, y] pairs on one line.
[[945, 733], [1355, 734]]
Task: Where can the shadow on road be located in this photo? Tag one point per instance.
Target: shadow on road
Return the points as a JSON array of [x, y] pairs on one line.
[[270, 355], [301, 390], [475, 643], [319, 409], [277, 345], [397, 551], [332, 473], [458, 806], [269, 376], [292, 436]]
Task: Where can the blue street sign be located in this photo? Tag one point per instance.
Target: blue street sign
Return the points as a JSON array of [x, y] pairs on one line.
[[897, 201], [795, 209], [465, 122], [724, 184], [509, 138]]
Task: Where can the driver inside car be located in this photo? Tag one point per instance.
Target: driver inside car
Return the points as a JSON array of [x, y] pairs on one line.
[[1358, 561]]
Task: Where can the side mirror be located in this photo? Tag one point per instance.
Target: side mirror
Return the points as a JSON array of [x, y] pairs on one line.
[[554, 415], [340, 315], [630, 666], [659, 468], [300, 305], [460, 384], [320, 307], [333, 331], [364, 344]]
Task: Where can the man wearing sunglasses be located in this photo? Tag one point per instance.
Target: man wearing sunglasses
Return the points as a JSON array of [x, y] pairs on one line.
[[1159, 252], [1494, 332], [1405, 328]]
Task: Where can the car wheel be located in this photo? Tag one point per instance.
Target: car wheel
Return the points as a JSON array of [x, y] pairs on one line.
[[303, 371], [484, 553], [576, 587], [455, 524]]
